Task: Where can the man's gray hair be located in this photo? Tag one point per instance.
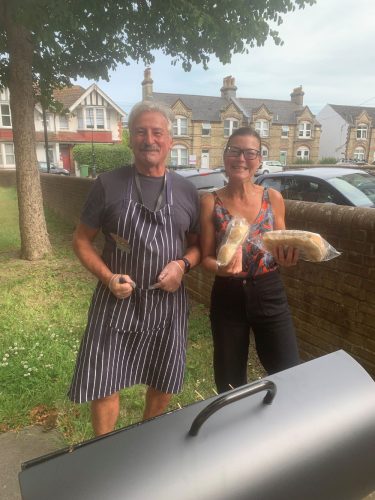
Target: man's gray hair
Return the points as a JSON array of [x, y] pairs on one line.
[[151, 106]]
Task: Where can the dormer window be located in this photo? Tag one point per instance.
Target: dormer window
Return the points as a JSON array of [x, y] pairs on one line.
[[180, 126], [94, 118], [262, 127], [362, 131], [304, 130]]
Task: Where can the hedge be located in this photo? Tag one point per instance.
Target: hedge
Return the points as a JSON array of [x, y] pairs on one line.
[[107, 156]]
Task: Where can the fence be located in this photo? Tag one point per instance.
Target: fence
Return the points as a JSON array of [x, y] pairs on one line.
[[333, 303]]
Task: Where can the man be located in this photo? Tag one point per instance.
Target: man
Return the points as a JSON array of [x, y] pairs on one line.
[[136, 330]]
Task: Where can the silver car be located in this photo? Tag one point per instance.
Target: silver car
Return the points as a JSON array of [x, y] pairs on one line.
[[342, 186]]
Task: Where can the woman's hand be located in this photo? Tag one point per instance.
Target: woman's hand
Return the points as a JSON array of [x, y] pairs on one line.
[[286, 256], [234, 267]]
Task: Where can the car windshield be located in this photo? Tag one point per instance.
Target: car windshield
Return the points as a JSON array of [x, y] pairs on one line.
[[359, 188]]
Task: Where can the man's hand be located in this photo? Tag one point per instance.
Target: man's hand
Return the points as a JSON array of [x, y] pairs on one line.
[[170, 278], [121, 285]]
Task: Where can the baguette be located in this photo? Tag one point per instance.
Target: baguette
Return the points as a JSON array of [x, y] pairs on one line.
[[311, 246]]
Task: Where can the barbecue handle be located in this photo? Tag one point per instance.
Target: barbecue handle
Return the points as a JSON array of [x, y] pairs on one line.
[[231, 397]]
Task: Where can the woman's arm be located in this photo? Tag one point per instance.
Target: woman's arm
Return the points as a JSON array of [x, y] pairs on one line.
[[208, 242]]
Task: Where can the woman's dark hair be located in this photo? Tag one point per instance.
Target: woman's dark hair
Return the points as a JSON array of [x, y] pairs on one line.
[[246, 131]]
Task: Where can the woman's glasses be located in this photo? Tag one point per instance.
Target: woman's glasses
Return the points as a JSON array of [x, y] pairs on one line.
[[249, 154]]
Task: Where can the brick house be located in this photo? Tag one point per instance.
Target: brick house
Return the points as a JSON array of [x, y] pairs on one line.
[[347, 132], [88, 116], [203, 124]]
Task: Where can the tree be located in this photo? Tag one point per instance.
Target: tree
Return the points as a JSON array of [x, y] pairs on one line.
[[46, 43]]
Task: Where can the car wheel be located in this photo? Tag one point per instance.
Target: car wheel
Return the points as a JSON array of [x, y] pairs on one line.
[[266, 171]]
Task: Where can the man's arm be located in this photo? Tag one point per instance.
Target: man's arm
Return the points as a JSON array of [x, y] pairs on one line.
[[83, 247]]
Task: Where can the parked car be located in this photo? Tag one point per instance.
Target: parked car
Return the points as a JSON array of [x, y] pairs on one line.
[[342, 186], [351, 163], [204, 179], [268, 166], [53, 168]]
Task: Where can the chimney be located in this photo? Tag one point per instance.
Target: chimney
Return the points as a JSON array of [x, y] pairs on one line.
[[297, 96], [147, 85], [229, 88]]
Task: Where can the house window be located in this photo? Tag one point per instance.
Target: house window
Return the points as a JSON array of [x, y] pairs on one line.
[[359, 154], [94, 118], [230, 125], [206, 129], [264, 152], [285, 131], [362, 131], [180, 126], [304, 129], [262, 127], [7, 154], [303, 153], [5, 115], [4, 95], [63, 122], [179, 156]]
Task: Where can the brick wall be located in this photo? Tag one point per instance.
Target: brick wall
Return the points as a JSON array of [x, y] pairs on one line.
[[333, 303]]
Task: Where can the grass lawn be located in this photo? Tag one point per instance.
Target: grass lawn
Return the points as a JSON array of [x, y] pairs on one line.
[[43, 310]]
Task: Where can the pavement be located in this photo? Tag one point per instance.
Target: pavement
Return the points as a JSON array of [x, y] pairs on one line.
[[17, 447]]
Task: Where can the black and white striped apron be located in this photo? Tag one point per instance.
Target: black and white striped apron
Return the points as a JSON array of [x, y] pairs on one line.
[[141, 339]]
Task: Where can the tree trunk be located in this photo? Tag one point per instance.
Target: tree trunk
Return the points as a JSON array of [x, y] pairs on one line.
[[34, 237]]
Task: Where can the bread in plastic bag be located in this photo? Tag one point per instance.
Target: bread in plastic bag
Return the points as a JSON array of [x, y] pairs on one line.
[[312, 247], [235, 234]]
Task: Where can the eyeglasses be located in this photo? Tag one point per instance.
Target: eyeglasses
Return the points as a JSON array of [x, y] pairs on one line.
[[249, 154]]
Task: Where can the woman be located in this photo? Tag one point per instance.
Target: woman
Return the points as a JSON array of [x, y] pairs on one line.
[[248, 292]]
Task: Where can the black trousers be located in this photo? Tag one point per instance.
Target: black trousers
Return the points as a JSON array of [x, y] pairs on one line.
[[259, 304]]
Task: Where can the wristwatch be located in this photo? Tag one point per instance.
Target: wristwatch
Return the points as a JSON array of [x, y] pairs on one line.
[[186, 264]]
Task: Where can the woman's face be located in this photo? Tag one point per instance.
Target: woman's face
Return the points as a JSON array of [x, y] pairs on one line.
[[242, 157]]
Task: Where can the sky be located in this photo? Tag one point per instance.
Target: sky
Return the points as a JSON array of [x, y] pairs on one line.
[[329, 49]]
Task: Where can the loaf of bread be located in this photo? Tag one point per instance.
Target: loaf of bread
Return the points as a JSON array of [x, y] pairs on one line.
[[311, 246], [235, 235], [226, 253]]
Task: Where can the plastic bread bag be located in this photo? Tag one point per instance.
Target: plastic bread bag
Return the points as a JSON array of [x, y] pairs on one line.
[[312, 247], [235, 235]]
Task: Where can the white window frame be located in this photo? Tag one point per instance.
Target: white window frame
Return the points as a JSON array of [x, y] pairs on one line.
[[362, 131], [63, 122], [92, 123], [301, 153], [179, 155], [5, 115], [305, 130], [359, 153], [263, 128], [4, 155], [285, 131], [180, 126], [230, 125], [206, 129], [264, 152], [4, 95]]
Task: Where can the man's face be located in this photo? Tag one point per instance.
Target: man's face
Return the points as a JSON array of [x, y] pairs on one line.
[[150, 140]]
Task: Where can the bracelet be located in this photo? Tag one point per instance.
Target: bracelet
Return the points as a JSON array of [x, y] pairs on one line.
[[178, 265]]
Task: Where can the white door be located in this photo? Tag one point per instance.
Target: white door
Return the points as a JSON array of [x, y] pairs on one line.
[[205, 158]]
